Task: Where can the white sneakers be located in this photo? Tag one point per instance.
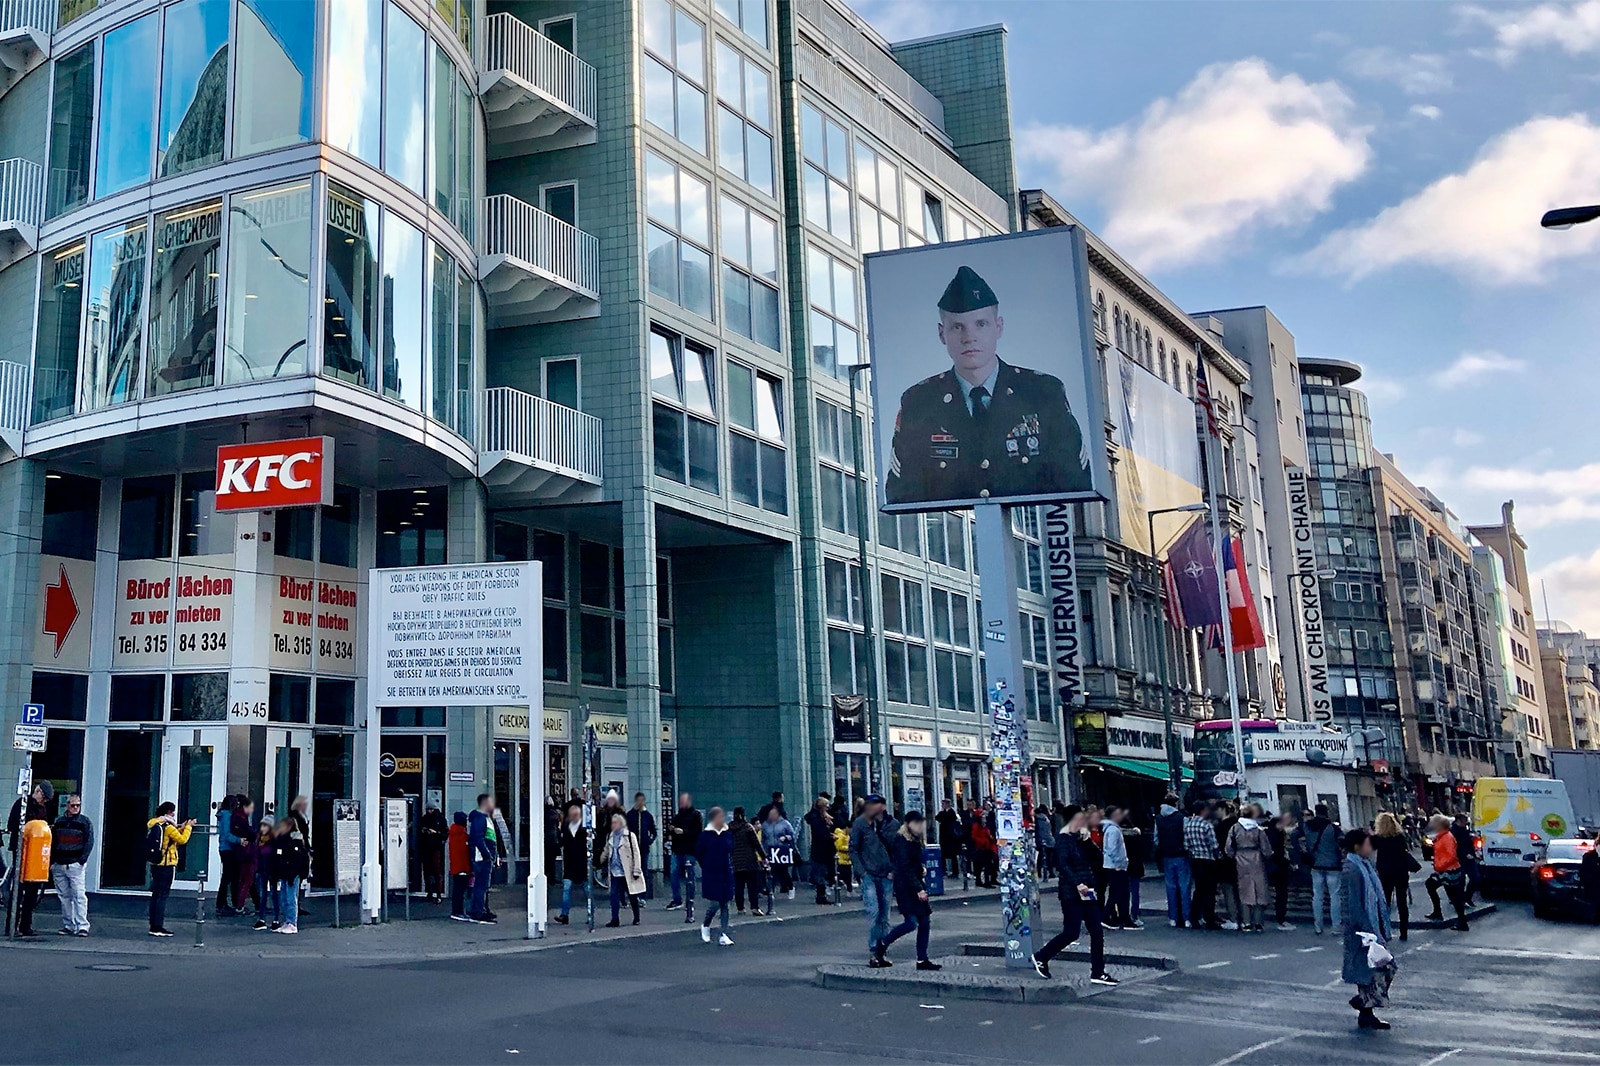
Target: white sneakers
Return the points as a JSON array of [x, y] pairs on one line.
[[288, 927], [725, 941], [705, 934]]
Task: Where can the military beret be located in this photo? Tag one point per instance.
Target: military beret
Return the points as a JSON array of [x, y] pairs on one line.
[[967, 292]]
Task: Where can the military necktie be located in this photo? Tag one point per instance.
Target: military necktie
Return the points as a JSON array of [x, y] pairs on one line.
[[980, 404]]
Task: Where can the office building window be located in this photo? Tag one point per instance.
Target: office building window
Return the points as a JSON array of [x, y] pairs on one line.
[[115, 320], [269, 270], [273, 68], [350, 302], [901, 532], [405, 81], [71, 515], [750, 304], [675, 73], [839, 478], [71, 131], [758, 466], [749, 15], [1036, 667], [952, 656], [412, 527], [905, 644], [194, 85], [847, 642], [665, 636], [826, 172], [679, 206], [146, 519], [831, 288], [354, 108], [878, 184], [684, 413], [55, 363], [744, 118], [127, 106], [600, 631], [404, 311], [183, 299]]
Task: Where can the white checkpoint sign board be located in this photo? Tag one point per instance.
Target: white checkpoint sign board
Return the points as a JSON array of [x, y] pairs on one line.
[[457, 636]]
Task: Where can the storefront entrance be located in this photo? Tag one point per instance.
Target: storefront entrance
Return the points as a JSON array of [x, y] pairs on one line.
[[194, 770]]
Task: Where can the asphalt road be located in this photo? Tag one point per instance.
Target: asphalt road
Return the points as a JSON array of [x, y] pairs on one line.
[[1513, 990]]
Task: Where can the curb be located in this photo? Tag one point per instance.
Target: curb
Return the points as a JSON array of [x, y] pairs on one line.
[[843, 976], [1112, 958]]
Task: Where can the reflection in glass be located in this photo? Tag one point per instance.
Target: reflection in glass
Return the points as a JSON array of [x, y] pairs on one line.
[[442, 400], [201, 530], [402, 312], [444, 142], [350, 304], [71, 131], [464, 141], [269, 263], [116, 314], [272, 70], [183, 299], [55, 363], [354, 90], [405, 75], [194, 85], [465, 301], [127, 106]]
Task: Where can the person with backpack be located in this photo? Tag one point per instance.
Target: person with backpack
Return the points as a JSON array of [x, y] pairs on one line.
[[291, 861], [163, 836], [1319, 846], [227, 841]]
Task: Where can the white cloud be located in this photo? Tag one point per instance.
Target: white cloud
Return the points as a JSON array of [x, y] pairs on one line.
[[1483, 223], [1239, 149], [1573, 28], [1382, 390], [1573, 586], [1466, 438], [1416, 74], [1472, 367], [1427, 111]]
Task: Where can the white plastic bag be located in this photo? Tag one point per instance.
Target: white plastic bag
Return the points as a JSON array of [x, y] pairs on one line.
[[1378, 956]]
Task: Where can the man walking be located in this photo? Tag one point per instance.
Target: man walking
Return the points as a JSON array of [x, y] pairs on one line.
[[1173, 856], [71, 841], [1319, 848], [1200, 838], [484, 851], [686, 829], [870, 837]]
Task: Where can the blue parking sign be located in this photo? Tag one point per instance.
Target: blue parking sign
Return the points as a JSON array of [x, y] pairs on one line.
[[33, 714]]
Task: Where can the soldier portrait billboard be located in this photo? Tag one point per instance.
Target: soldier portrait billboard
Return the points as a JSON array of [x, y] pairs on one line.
[[985, 384]]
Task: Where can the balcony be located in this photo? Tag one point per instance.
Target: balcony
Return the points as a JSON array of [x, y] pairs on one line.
[[13, 404], [535, 267], [537, 96], [533, 450], [21, 208], [25, 27]]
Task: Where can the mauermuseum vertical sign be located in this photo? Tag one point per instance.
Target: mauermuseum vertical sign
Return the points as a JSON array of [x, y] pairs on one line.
[[1308, 597]]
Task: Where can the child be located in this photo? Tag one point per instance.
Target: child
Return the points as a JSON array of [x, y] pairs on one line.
[[841, 849], [264, 889], [460, 867]]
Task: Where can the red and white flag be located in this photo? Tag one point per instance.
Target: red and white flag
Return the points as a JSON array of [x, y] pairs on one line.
[[1243, 617]]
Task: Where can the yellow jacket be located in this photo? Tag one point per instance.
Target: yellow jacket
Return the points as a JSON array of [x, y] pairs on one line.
[[171, 840], [841, 845]]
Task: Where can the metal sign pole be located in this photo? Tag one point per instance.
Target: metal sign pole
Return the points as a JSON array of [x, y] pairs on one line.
[[24, 790], [538, 770]]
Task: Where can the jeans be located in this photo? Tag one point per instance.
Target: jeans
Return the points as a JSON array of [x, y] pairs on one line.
[[229, 880], [1179, 880], [619, 892], [1117, 898], [875, 895], [289, 899], [1325, 884], [683, 867], [714, 907], [461, 884], [482, 870], [1133, 897], [567, 884], [1077, 912], [68, 877], [160, 889], [920, 923]]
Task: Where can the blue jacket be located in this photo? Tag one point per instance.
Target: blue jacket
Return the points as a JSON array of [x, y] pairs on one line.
[[226, 841], [479, 847], [715, 852], [1364, 912], [1114, 847]]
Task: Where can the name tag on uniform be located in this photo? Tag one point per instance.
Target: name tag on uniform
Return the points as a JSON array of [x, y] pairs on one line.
[[944, 446]]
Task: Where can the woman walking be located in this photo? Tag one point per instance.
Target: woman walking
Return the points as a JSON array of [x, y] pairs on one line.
[[910, 891], [1366, 922], [1079, 904], [746, 856], [1395, 864], [714, 851], [626, 869], [1249, 849]]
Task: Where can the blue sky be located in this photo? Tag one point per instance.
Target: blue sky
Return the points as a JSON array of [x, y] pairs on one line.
[[1375, 174]]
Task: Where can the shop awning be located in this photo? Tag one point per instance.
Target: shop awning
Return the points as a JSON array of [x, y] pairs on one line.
[[1154, 769]]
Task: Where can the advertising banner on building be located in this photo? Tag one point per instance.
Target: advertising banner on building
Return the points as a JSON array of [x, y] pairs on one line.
[[849, 719], [985, 383], [1133, 737], [1061, 586], [174, 614], [1160, 458], [65, 605], [313, 612], [1308, 598]]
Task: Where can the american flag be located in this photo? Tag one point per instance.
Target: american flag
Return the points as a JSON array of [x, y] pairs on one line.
[[1202, 396], [1174, 602]]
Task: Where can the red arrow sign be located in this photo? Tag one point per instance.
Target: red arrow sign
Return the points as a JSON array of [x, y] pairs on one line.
[[60, 610]]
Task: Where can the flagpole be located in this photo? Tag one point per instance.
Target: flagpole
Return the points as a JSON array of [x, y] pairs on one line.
[[1220, 545]]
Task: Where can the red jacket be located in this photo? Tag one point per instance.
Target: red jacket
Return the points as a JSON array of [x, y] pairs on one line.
[[459, 850], [982, 839]]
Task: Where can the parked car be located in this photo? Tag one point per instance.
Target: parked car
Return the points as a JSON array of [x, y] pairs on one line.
[[1557, 883]]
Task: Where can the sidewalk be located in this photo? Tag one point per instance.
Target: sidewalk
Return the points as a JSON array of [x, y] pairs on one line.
[[120, 927]]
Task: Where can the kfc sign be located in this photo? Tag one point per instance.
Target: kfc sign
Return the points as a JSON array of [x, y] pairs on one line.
[[280, 473]]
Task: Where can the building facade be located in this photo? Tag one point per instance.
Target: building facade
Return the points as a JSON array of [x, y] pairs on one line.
[[1526, 715]]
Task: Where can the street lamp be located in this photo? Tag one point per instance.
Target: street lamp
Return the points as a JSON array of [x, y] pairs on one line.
[[1567, 217], [1174, 758], [880, 747]]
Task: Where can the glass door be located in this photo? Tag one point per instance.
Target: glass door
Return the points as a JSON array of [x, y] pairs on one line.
[[288, 770], [194, 771]]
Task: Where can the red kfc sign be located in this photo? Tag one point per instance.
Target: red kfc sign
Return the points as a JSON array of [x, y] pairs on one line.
[[277, 473]]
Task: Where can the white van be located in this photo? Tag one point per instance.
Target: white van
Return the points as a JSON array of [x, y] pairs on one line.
[[1515, 817]]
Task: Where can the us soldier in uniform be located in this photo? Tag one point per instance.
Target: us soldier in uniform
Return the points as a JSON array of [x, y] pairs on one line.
[[984, 427]]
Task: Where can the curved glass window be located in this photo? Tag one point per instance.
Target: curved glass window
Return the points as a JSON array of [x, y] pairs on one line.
[[273, 67], [354, 108], [350, 304], [116, 316], [183, 299], [402, 311], [405, 80], [194, 86], [55, 363], [444, 132], [71, 131], [269, 264], [443, 290], [127, 106]]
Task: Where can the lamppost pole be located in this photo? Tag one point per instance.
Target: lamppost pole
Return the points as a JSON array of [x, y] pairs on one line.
[[1174, 757], [880, 748]]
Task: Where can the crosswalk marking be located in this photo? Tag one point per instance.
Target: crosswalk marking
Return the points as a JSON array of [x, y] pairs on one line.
[[1213, 965], [1307, 951], [1273, 955]]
